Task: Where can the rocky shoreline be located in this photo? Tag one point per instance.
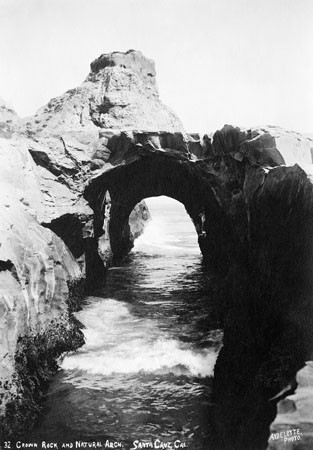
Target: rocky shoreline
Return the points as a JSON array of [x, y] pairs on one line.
[[35, 363], [73, 179]]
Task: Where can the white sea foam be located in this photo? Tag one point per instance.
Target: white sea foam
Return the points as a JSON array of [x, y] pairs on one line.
[[164, 356], [157, 238], [118, 342]]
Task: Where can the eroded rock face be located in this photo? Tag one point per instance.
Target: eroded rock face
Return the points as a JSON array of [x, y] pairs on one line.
[[120, 92], [292, 428], [136, 223], [8, 118], [36, 273], [253, 215]]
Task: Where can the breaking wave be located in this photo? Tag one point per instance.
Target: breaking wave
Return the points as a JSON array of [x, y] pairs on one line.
[[119, 342]]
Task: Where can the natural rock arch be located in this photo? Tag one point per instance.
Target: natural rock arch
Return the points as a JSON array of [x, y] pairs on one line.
[[153, 174], [258, 223]]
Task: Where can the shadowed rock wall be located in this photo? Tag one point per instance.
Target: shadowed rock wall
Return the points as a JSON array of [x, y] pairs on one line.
[[254, 218]]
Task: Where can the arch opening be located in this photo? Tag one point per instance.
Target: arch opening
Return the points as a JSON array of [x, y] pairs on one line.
[[114, 194], [168, 229]]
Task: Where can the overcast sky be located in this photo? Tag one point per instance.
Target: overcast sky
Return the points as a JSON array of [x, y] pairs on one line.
[[245, 62]]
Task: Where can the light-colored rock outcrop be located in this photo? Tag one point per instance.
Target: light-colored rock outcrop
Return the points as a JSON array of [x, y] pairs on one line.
[[293, 426], [7, 113], [36, 268], [9, 119], [69, 135], [120, 92]]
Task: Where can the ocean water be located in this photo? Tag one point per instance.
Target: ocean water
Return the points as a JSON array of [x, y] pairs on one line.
[[152, 339]]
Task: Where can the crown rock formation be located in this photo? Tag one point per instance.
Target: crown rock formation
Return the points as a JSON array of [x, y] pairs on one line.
[[120, 92]]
